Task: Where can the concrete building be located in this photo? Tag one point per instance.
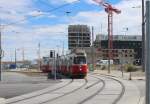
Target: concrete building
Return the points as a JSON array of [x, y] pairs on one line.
[[129, 45], [78, 36]]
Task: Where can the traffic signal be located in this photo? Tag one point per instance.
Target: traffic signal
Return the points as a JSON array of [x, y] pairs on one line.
[[51, 54]]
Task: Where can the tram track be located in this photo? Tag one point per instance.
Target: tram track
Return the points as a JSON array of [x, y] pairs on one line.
[[86, 88], [93, 95], [64, 94], [121, 93], [49, 91], [122, 87], [86, 99]]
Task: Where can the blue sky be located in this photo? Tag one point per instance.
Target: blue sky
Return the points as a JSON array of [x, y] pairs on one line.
[[50, 28]]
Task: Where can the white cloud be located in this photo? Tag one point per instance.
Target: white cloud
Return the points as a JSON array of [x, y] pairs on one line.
[[52, 35], [91, 2], [49, 36], [129, 17], [58, 2], [15, 10]]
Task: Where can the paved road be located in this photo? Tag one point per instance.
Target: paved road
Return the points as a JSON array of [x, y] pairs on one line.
[[15, 84], [141, 86], [98, 89]]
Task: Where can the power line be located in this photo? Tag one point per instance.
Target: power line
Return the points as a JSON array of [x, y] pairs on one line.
[[52, 10], [43, 2]]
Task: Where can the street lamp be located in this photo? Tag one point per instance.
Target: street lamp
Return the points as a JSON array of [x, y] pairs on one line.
[[143, 36], [121, 62], [143, 33]]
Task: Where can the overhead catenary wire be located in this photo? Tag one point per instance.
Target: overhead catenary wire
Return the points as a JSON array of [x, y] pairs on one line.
[[43, 2], [52, 10]]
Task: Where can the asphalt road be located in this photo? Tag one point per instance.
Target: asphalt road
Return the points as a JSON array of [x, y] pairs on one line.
[[98, 89], [78, 92], [15, 84], [141, 86]]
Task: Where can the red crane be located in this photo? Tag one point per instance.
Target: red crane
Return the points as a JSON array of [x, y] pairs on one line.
[[109, 10]]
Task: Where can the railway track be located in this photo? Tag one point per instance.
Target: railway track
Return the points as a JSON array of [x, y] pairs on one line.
[[120, 95], [93, 95], [65, 94], [101, 82], [78, 90], [39, 94], [23, 100]]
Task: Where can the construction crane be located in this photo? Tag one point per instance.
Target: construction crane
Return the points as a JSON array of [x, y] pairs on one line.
[[109, 10]]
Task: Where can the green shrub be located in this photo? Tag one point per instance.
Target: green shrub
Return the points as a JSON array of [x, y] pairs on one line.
[[103, 67], [131, 68]]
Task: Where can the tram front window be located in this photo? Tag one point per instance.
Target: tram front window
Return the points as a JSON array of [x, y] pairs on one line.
[[79, 60]]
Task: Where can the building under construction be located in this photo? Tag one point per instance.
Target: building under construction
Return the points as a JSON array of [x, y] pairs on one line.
[[78, 36], [127, 45]]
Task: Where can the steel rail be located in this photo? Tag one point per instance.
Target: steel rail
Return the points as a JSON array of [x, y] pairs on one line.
[[122, 86], [93, 95], [49, 91], [64, 94]]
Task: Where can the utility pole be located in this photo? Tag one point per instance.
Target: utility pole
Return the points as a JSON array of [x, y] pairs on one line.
[[0, 51], [39, 55], [143, 35], [15, 58], [82, 34], [23, 55], [92, 48], [63, 49], [57, 49], [147, 66]]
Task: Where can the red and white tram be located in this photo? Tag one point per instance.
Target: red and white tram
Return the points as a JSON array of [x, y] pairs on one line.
[[74, 64]]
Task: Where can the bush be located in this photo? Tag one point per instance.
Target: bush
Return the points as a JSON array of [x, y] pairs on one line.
[[103, 67], [131, 68]]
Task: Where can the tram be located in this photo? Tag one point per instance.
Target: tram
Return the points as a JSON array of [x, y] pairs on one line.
[[74, 64]]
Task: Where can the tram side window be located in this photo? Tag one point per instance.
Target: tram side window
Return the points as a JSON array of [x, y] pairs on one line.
[[79, 60]]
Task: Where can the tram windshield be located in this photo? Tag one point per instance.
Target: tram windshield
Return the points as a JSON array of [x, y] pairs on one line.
[[79, 60]]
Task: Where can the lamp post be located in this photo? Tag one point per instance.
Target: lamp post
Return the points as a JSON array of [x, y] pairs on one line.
[[39, 55], [0, 51], [143, 33], [15, 58], [143, 36], [147, 45], [121, 62]]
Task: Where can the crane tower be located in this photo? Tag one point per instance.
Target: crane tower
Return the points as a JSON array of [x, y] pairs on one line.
[[109, 9]]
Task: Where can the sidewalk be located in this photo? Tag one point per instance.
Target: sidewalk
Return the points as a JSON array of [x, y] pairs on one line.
[[126, 75], [132, 92]]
